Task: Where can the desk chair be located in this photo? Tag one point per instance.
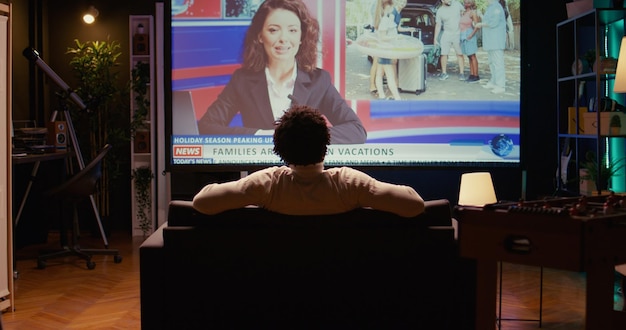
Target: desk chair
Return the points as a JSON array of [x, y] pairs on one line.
[[79, 187]]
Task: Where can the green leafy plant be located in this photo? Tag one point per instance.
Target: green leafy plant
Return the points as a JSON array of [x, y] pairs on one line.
[[140, 83], [604, 172], [105, 119], [142, 179]]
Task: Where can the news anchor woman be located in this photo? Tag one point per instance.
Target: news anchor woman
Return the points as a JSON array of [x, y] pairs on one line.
[[278, 70]]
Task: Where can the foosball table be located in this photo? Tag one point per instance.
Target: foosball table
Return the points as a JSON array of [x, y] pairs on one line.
[[582, 234]]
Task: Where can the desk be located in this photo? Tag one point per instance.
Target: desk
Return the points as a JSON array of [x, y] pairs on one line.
[[545, 234], [36, 159], [33, 158]]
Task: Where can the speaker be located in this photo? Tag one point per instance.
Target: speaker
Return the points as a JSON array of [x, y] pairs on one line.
[[140, 44], [57, 134], [142, 142]]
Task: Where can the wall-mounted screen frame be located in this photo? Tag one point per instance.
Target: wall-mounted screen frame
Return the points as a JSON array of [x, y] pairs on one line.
[[438, 122]]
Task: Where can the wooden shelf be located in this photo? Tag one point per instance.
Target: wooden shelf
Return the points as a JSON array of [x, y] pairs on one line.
[[141, 36]]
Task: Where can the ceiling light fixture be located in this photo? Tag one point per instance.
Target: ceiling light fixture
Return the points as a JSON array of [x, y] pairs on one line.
[[90, 15]]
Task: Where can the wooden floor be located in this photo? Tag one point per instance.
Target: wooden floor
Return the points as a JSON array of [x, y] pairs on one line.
[[68, 296]]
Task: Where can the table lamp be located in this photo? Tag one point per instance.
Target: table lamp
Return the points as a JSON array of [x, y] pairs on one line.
[[620, 74], [476, 189]]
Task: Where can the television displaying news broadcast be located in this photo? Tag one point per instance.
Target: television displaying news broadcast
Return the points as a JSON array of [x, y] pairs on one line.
[[394, 98]]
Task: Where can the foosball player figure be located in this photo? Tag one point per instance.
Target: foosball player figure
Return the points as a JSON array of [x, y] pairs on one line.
[[579, 208]]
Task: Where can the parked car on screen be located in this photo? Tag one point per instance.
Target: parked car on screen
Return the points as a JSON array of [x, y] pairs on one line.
[[420, 15]]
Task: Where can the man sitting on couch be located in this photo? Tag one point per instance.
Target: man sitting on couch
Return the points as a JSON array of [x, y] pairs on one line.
[[304, 187]]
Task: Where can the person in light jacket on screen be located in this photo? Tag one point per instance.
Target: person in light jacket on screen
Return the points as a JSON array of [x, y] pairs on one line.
[[278, 70], [494, 42]]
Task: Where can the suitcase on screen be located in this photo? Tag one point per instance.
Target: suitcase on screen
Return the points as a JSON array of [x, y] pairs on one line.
[[412, 74]]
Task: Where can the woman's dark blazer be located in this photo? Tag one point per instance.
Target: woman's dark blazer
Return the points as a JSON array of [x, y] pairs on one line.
[[247, 93]]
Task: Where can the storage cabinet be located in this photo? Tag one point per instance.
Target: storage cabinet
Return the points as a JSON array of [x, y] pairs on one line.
[[142, 163], [583, 131]]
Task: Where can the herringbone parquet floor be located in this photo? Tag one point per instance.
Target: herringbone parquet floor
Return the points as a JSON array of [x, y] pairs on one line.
[[68, 296]]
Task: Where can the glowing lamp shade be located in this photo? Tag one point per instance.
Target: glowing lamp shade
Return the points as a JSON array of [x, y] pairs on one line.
[[620, 74], [476, 189], [90, 15]]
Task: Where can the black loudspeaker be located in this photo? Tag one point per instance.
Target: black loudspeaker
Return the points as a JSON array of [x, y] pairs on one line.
[[57, 134], [141, 44], [142, 142]]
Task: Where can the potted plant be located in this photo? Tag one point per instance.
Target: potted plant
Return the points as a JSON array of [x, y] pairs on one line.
[[600, 175], [142, 179], [105, 96]]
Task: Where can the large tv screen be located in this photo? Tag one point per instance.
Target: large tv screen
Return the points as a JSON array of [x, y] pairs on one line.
[[218, 119]]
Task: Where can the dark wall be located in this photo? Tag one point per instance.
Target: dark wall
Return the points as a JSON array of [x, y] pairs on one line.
[[538, 125], [50, 28], [19, 17]]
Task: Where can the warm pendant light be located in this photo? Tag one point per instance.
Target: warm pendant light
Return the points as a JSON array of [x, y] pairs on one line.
[[90, 15]]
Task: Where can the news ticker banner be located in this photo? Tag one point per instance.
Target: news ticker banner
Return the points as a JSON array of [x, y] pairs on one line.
[[231, 149]]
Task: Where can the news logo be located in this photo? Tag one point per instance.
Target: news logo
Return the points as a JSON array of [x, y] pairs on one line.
[[190, 151]]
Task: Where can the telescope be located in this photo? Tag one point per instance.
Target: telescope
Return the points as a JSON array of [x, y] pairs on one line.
[[32, 55]]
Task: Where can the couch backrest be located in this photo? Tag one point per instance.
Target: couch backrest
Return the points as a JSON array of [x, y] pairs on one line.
[[181, 213]]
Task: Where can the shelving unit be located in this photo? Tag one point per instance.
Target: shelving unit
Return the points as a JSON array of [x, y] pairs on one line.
[[580, 88], [141, 29]]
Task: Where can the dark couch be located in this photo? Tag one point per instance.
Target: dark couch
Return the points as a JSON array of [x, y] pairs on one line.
[[250, 269]]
